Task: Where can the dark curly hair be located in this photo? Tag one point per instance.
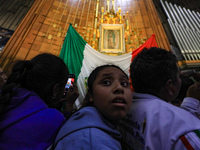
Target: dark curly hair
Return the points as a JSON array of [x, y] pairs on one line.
[[151, 68], [40, 74]]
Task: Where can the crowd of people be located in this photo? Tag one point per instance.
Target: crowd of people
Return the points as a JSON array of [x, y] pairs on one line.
[[161, 113]]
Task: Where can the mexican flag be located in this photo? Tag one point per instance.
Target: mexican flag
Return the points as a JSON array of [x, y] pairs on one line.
[[81, 59]]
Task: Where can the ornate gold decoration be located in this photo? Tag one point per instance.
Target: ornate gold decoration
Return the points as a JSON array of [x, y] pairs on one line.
[[112, 38]]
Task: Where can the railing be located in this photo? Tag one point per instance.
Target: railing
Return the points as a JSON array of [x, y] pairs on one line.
[[185, 25]]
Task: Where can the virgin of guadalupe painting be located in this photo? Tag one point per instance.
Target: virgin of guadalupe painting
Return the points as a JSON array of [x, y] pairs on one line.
[[111, 38]]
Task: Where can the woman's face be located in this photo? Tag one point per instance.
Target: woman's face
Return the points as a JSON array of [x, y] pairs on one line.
[[111, 93]]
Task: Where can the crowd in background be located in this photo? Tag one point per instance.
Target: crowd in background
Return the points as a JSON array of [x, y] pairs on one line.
[[162, 112]]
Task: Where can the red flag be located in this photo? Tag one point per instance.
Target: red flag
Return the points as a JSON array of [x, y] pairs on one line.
[[151, 42]]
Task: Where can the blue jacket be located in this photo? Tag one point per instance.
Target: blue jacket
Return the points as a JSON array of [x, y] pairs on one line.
[[87, 129], [28, 123]]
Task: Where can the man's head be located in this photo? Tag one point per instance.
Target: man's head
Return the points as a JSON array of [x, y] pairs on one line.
[[155, 71], [45, 74]]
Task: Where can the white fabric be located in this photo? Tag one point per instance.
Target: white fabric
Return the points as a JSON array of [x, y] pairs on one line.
[[92, 59], [157, 125], [192, 105]]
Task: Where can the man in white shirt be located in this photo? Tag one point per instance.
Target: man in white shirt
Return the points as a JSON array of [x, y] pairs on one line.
[[153, 123]]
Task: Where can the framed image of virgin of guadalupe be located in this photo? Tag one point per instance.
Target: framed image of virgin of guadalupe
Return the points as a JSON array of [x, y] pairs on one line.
[[112, 38]]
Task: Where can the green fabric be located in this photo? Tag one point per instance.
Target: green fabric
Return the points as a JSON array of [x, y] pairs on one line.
[[197, 133], [72, 51]]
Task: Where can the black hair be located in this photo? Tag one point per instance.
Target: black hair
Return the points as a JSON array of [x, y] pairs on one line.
[[40, 75], [91, 79], [151, 68]]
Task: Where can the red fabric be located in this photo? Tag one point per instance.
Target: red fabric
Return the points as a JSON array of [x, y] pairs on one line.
[[186, 143], [151, 42]]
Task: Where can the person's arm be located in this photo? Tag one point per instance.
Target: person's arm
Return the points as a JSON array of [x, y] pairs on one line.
[[189, 141], [192, 101], [71, 96], [191, 105]]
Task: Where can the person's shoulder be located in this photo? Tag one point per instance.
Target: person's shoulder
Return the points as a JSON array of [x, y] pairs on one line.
[[82, 121], [74, 140], [85, 113], [105, 139], [88, 109], [51, 114], [87, 138], [51, 117], [147, 100]]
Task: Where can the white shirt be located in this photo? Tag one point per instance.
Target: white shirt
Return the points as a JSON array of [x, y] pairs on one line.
[[192, 105], [154, 124]]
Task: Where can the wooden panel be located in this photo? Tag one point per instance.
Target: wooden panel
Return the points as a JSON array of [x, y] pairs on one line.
[[21, 55], [12, 48]]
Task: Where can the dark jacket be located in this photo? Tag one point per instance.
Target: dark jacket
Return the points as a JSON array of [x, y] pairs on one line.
[[28, 123]]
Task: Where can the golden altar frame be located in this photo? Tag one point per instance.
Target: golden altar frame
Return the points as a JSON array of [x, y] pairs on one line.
[[112, 38]]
